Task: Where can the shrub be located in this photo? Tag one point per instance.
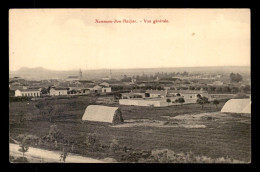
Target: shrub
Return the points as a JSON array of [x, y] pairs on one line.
[[20, 160], [169, 156], [91, 141], [114, 146], [53, 135]]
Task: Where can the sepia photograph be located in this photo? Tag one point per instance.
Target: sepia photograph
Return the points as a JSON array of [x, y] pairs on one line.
[[134, 85]]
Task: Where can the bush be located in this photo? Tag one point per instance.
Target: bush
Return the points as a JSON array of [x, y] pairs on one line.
[[169, 156], [91, 142], [20, 160], [114, 146], [19, 99], [53, 135]]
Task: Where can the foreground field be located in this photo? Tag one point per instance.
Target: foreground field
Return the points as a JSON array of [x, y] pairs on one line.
[[182, 129], [35, 155]]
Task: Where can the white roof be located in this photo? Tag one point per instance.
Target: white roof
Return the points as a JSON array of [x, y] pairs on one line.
[[99, 113], [237, 106]]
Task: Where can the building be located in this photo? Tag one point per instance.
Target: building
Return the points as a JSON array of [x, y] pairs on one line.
[[106, 114], [190, 96], [106, 89], [220, 96], [80, 74], [109, 77], [133, 80], [72, 78], [78, 90], [27, 93], [85, 91], [216, 83], [132, 95], [155, 93], [96, 89], [58, 91], [241, 106], [154, 102]]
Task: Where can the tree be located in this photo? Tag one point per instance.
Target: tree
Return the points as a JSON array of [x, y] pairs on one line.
[[44, 91], [52, 110], [21, 116], [48, 89], [54, 135], [91, 140], [168, 101], [235, 77], [216, 102], [198, 96], [234, 89], [114, 146], [218, 89], [24, 147], [191, 87], [180, 100], [202, 101]]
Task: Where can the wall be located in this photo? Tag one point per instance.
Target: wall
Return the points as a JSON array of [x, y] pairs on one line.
[[18, 93], [58, 92], [108, 90], [135, 102], [220, 96]]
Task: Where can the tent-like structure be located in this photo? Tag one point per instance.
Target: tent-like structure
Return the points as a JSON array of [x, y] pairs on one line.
[[237, 106], [103, 114]]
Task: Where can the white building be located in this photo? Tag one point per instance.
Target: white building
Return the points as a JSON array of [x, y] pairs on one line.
[[58, 91], [106, 89], [155, 93], [27, 93], [96, 89]]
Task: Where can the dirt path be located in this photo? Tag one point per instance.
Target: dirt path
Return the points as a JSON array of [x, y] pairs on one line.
[[36, 155]]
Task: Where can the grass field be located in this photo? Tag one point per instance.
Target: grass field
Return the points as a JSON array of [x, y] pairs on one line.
[[223, 135]]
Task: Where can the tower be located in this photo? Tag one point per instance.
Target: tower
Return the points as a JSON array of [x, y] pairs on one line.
[[110, 75], [80, 74]]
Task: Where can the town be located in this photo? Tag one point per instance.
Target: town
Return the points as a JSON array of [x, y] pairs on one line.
[[122, 102], [83, 89], [158, 87]]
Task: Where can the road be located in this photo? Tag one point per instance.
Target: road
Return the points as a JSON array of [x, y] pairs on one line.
[[36, 155]]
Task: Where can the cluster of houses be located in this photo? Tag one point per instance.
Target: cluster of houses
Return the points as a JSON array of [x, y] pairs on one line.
[[158, 98], [58, 91], [75, 85]]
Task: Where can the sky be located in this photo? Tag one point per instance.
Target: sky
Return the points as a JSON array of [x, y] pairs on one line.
[[69, 39]]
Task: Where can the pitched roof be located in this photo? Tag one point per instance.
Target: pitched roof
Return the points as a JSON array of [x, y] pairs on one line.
[[156, 91], [187, 91], [28, 90], [138, 91], [59, 88]]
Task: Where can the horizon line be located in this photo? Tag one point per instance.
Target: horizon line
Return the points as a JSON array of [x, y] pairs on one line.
[[131, 68]]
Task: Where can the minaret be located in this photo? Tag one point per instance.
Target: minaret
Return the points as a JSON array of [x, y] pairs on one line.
[[110, 75], [80, 74]]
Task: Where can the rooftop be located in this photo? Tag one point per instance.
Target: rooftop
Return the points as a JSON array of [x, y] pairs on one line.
[[59, 88], [186, 91], [156, 91], [27, 90]]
